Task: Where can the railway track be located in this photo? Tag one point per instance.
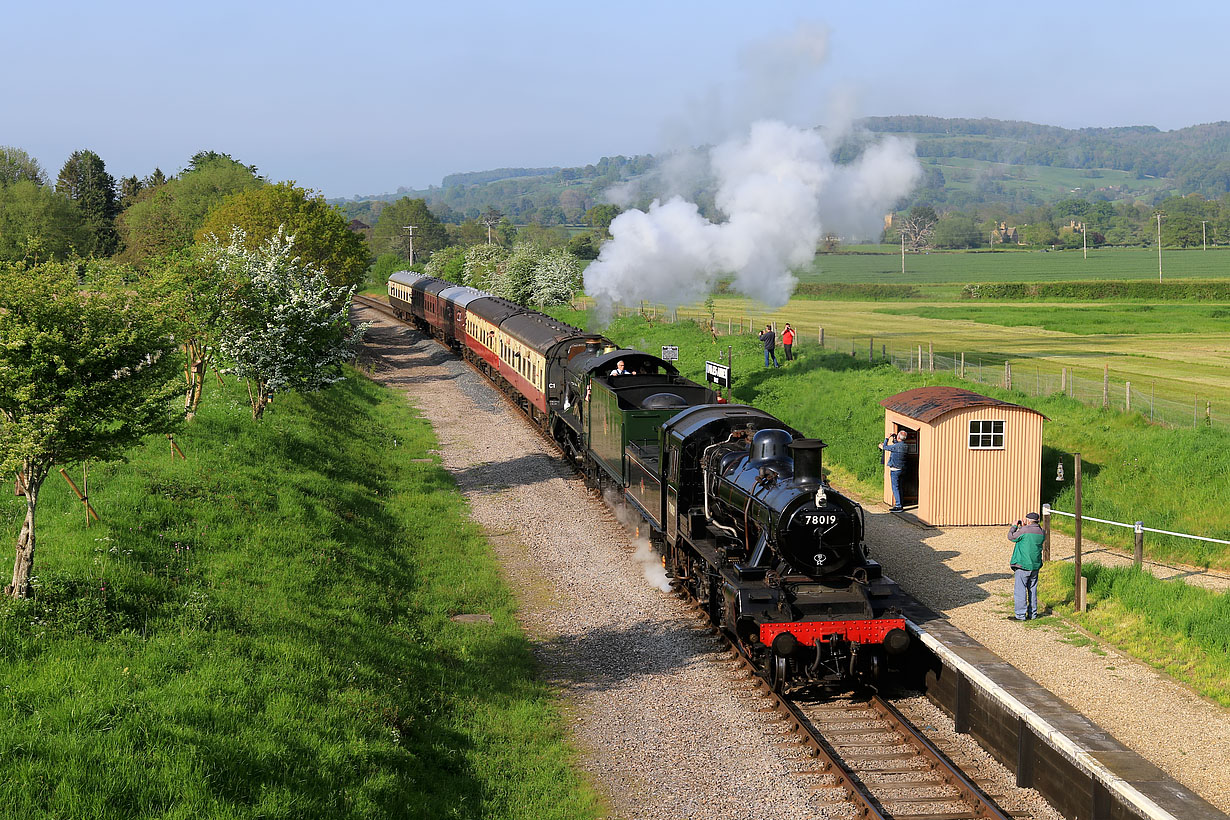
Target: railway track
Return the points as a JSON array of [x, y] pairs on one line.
[[867, 753]]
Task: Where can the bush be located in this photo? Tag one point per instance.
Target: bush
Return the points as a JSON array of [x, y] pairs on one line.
[[1189, 289]]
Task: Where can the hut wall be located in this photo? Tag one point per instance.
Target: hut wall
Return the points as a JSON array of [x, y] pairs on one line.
[[959, 485]]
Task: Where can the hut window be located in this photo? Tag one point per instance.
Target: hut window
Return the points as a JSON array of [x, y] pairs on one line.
[[986, 435]]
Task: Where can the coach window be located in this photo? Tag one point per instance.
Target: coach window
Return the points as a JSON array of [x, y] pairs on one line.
[[986, 434]]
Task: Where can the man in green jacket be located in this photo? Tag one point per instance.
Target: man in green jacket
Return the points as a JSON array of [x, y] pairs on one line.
[[1026, 561]]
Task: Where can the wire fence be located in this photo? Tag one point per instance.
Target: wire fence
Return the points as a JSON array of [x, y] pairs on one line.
[[1026, 376]]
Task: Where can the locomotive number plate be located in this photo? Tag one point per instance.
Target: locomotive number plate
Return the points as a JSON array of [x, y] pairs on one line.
[[819, 519]]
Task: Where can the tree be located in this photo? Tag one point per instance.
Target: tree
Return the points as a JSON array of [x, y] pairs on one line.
[[956, 231], [586, 245], [490, 218], [84, 179], [38, 224], [917, 225], [16, 165], [323, 238], [447, 264], [189, 294], [515, 278], [556, 278], [283, 325], [601, 216], [83, 375], [482, 265], [165, 217], [389, 233]]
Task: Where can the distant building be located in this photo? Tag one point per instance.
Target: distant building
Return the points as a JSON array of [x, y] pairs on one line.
[[1006, 235]]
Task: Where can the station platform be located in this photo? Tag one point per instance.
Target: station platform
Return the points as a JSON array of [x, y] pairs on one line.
[[1083, 771]]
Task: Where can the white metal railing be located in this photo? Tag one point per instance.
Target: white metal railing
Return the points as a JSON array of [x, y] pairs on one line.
[[1137, 527]]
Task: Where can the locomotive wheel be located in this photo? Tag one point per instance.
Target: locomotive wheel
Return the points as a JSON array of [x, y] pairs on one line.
[[776, 667]]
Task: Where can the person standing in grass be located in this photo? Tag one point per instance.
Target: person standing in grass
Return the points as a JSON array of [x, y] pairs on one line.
[[896, 448], [1026, 561], [769, 340], [788, 343]]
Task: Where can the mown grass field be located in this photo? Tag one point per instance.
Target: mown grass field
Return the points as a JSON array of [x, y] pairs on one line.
[[264, 630], [1182, 356], [1092, 320], [943, 273]]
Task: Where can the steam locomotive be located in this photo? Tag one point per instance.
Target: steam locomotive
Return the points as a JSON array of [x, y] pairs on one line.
[[733, 498]]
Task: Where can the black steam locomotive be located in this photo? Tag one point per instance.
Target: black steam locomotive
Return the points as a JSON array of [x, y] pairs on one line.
[[734, 498]]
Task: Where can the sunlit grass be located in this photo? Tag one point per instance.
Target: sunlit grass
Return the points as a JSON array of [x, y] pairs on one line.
[[264, 631], [1180, 629]]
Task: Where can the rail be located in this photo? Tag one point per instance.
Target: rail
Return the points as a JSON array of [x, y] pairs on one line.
[[1136, 527]]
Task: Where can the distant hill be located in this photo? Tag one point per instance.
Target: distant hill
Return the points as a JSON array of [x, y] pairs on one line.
[[968, 162]]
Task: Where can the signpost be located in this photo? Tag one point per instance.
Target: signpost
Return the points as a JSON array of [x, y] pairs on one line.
[[670, 353]]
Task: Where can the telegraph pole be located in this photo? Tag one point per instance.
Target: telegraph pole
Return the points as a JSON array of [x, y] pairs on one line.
[[1204, 239], [1084, 241], [903, 253], [1159, 246], [409, 229]]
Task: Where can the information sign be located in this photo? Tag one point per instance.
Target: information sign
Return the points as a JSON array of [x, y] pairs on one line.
[[670, 353], [718, 374]]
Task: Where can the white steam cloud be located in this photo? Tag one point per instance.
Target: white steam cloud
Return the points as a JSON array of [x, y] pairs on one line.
[[776, 186], [780, 191]]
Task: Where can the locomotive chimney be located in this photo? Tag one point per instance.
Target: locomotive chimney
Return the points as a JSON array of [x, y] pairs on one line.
[[591, 347], [807, 467]]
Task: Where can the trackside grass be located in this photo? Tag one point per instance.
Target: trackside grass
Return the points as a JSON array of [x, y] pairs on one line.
[[1180, 629], [264, 630]]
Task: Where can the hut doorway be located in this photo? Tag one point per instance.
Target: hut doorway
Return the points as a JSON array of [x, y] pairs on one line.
[[909, 475]]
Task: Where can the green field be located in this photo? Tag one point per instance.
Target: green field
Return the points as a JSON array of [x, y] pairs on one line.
[[1093, 320], [941, 274], [1046, 182], [264, 631]]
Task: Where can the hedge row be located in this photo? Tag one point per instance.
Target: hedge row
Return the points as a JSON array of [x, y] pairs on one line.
[[856, 291], [1179, 290]]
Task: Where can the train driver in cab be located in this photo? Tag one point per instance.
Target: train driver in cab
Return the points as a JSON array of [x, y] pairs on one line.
[[621, 371]]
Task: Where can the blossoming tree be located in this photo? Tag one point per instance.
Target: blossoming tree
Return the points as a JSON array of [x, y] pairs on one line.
[[282, 325]]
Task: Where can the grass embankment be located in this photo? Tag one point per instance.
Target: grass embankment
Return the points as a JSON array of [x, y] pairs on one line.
[[1180, 629], [264, 631]]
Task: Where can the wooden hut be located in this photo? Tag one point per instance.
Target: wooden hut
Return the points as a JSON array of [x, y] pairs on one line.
[[973, 459]]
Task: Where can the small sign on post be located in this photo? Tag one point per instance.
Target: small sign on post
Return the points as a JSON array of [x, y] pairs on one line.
[[670, 353], [718, 374]]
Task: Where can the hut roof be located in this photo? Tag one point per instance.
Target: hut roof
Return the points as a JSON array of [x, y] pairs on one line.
[[927, 404]]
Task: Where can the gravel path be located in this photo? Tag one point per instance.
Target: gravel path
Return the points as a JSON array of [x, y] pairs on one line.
[[663, 731], [963, 573]]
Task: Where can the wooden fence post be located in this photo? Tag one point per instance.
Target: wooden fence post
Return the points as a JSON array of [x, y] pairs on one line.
[[930, 358], [871, 348], [1127, 397], [1007, 375], [963, 364], [1140, 544], [920, 358], [1105, 386], [1063, 380], [822, 338], [1046, 532]]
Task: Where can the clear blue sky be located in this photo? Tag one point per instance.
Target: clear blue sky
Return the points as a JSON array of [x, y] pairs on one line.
[[354, 98]]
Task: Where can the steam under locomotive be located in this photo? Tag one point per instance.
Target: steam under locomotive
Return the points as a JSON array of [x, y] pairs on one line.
[[734, 498]]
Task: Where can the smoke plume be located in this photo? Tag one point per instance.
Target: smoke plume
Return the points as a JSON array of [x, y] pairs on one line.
[[775, 188]]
